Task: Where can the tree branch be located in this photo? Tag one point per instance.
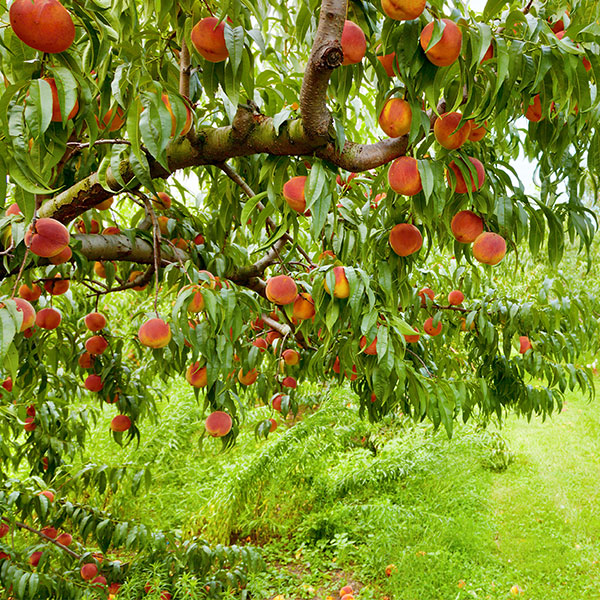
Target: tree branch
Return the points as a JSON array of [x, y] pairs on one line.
[[184, 70], [326, 54]]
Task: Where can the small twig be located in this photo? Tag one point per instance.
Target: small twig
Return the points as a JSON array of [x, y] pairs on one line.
[[20, 273], [208, 8], [421, 361], [81, 145], [43, 536], [528, 7]]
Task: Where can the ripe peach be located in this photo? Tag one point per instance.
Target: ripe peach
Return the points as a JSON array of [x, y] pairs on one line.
[[196, 300], [396, 117], [100, 269], [281, 290], [4, 529], [218, 423], [155, 333], [424, 293], [388, 63], [48, 318], [31, 410], [289, 382], [187, 126], [57, 286], [489, 248], [533, 112], [466, 226], [304, 307], [276, 402], [13, 209], [61, 257], [105, 204], [247, 378], [404, 177], [196, 376], [94, 226], [96, 345], [341, 287], [111, 231], [162, 201], [293, 193], [430, 329], [34, 559], [56, 114], [347, 589], [93, 383], [95, 321], [463, 325], [291, 357], [99, 581], [458, 184], [88, 571], [403, 10], [44, 25], [120, 423], [447, 50], [48, 494], [7, 384], [273, 425], [477, 133], [113, 119], [447, 132], [371, 348], [354, 43], [258, 324], [405, 239], [47, 238], [455, 297], [28, 313], [65, 539], [50, 532], [29, 424], [31, 294], [524, 344], [273, 335], [85, 360], [133, 276], [261, 344], [208, 37], [489, 54]]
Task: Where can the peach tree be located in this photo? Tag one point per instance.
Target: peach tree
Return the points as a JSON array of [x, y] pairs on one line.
[[245, 195]]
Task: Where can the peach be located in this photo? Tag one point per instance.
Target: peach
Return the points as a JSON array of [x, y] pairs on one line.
[[133, 276], [208, 37], [403, 10], [28, 313], [13, 209], [96, 345], [65, 539], [289, 382], [430, 329], [180, 243], [61, 257], [105, 204], [354, 43], [100, 269], [155, 333], [94, 226], [463, 325], [458, 184], [99, 581], [447, 132], [347, 589], [196, 301], [47, 237], [48, 494], [273, 335], [48, 318], [31, 294], [477, 133], [533, 112], [447, 50], [273, 425], [113, 119], [341, 287], [466, 226], [34, 559], [404, 177], [489, 54], [56, 114], [163, 225], [31, 410], [258, 324], [489, 248], [196, 376], [405, 239], [247, 378], [293, 193], [389, 570], [455, 297], [95, 321], [187, 126], [111, 230], [50, 532], [4, 529], [120, 423], [30, 424], [524, 344], [281, 290], [424, 293], [162, 201], [199, 240], [371, 348], [93, 383], [260, 343], [85, 360], [395, 117], [304, 307], [387, 62], [88, 571], [7, 384], [44, 25], [276, 402], [291, 357], [412, 339], [57, 286], [218, 423]]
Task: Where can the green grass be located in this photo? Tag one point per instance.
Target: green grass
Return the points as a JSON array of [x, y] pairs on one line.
[[334, 499]]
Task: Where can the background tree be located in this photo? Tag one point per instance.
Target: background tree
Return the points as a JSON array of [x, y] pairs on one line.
[[292, 245]]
